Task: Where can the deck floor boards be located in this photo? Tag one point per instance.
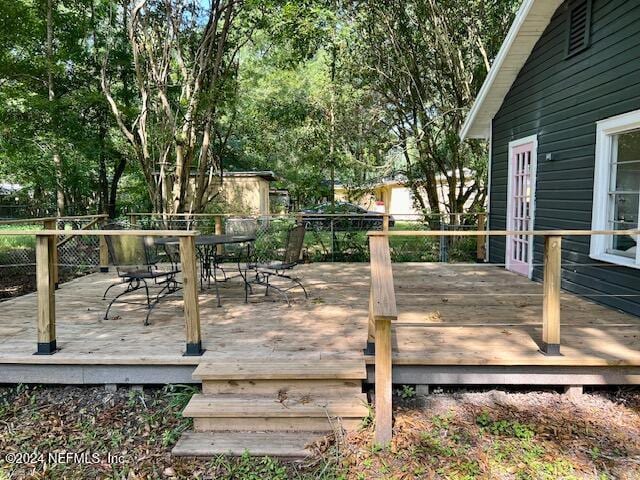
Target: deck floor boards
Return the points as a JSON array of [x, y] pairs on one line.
[[448, 314]]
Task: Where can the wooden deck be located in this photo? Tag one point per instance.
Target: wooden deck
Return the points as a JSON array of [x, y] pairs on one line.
[[449, 315]]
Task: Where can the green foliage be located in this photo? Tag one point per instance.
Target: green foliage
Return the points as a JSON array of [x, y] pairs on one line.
[[407, 392], [505, 427], [318, 91], [11, 242], [71, 121]]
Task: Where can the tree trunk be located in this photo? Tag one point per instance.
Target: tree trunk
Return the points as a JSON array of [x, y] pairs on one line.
[[57, 161], [113, 191]]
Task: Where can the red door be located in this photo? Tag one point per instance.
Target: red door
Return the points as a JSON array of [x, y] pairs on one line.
[[520, 207]]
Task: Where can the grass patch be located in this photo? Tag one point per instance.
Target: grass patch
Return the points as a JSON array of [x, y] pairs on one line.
[[15, 242]]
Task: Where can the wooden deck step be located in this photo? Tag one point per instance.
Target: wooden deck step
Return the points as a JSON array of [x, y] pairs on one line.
[[273, 405], [243, 406], [351, 367], [274, 444], [280, 388], [276, 424]]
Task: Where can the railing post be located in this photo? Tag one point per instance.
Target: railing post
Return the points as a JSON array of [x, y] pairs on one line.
[[52, 224], [481, 247], [45, 262], [383, 377], [551, 299], [104, 252], [133, 220], [190, 294], [382, 310]]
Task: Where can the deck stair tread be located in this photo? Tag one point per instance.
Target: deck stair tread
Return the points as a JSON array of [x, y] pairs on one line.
[[275, 405], [276, 444], [226, 405], [351, 367]]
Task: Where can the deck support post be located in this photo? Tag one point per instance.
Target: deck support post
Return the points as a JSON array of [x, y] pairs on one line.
[[551, 298], [573, 391], [45, 280], [422, 390], [383, 376], [190, 295]]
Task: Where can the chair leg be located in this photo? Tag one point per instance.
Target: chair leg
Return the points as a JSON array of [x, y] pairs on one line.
[[104, 296], [281, 292], [146, 288], [130, 289], [170, 287], [215, 284], [296, 280], [246, 287]]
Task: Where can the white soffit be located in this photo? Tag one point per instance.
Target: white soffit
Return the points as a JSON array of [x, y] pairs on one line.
[[530, 22]]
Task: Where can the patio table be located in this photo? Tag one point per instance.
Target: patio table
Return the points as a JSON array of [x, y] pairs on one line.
[[210, 259]]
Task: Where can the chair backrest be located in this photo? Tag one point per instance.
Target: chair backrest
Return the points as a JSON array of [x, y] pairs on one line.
[[293, 247], [129, 250], [241, 226]]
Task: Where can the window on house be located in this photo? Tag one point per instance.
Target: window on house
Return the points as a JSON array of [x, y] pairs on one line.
[[579, 26], [616, 196]]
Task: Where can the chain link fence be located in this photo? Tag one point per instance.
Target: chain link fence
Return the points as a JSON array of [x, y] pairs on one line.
[[77, 255], [333, 238], [329, 238]]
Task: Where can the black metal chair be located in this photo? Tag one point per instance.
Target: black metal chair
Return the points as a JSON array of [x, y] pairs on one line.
[[235, 252], [279, 268], [136, 259]]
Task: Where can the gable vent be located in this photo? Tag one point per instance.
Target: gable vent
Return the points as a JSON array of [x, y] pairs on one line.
[[579, 26]]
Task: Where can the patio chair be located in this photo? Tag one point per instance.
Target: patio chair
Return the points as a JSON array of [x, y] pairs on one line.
[[136, 259], [279, 268], [236, 252]]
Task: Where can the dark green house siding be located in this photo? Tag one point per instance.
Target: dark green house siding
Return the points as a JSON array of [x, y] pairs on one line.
[[560, 99]]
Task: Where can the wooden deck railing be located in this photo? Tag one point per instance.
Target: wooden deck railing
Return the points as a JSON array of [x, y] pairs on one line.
[[46, 280], [383, 309]]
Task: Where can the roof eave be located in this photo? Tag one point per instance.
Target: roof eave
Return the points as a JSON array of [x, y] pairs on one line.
[[478, 121]]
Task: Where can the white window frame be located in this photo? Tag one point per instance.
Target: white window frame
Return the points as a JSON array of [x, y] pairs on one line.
[[605, 131], [532, 206]]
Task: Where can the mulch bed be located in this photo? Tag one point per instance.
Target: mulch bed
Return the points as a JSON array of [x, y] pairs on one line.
[[484, 435]]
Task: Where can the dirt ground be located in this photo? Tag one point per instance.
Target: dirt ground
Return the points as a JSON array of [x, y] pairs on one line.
[[88, 432], [14, 284]]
